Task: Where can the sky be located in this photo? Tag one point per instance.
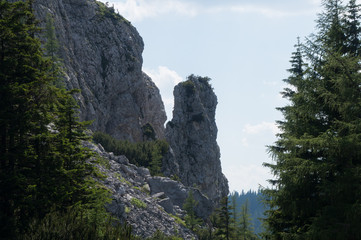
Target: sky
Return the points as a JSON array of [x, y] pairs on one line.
[[244, 46]]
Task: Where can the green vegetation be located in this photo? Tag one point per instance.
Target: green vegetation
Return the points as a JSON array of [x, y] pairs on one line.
[[226, 222], [245, 226], [47, 190], [47, 186], [101, 161], [175, 177], [146, 154], [120, 178], [148, 132], [137, 188], [51, 46], [138, 203], [158, 235], [317, 190], [144, 189], [224, 219], [255, 208], [109, 12], [189, 87], [232, 222], [178, 219], [51, 51], [127, 209], [77, 224], [191, 220]]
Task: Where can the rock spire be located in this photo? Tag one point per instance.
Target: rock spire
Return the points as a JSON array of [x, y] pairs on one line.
[[192, 134]]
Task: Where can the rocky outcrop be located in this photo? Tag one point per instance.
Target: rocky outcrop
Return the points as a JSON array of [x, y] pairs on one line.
[[143, 201], [192, 134], [101, 55], [177, 194]]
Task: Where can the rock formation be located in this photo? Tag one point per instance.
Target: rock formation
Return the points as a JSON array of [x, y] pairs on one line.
[[140, 200], [101, 56], [177, 193], [101, 53], [192, 135]]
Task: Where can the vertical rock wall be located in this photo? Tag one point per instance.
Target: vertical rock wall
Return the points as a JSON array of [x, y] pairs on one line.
[[192, 135], [102, 56]]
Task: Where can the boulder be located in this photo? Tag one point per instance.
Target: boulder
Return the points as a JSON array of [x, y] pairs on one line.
[[177, 193]]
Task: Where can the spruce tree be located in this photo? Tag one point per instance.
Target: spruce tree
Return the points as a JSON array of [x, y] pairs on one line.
[[224, 216], [317, 156], [24, 93], [352, 27], [51, 50], [245, 224], [329, 24], [291, 195], [191, 220], [43, 165], [51, 42], [235, 216]]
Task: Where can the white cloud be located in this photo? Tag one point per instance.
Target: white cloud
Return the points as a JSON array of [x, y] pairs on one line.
[[268, 11], [261, 127], [137, 10], [262, 10], [165, 79], [246, 177]]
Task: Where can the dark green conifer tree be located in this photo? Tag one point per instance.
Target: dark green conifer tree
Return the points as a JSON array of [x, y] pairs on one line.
[[24, 91], [235, 217], [286, 201], [245, 224], [190, 204], [51, 42], [51, 50], [224, 219], [317, 155], [42, 161], [330, 32], [352, 27]]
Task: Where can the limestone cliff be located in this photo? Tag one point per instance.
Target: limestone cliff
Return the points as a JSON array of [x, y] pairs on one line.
[[102, 56], [192, 135]]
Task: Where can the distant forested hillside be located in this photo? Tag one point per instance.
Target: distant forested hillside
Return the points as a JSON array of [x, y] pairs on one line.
[[256, 208]]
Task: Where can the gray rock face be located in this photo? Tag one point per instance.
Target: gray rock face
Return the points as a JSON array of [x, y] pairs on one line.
[[133, 200], [101, 55], [177, 194], [192, 135]]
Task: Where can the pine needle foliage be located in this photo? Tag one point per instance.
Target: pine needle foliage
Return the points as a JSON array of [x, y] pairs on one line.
[[147, 154], [317, 157], [45, 178]]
